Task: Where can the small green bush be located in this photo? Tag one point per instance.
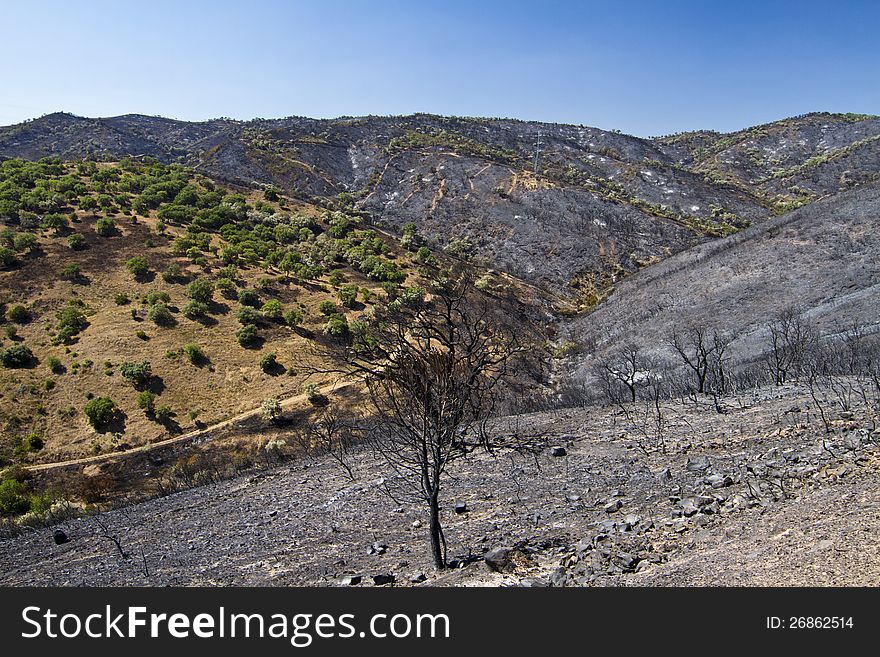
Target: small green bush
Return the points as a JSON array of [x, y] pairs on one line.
[[269, 362], [248, 316], [16, 356], [18, 314], [55, 365], [100, 411], [327, 308], [160, 315], [246, 335], [77, 241], [195, 310], [105, 227], [293, 318], [138, 267], [200, 290], [71, 272], [249, 297], [273, 310], [194, 353], [137, 373], [147, 402]]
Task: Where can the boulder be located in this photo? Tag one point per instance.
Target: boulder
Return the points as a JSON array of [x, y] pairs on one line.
[[384, 578], [558, 451], [59, 536], [499, 560]]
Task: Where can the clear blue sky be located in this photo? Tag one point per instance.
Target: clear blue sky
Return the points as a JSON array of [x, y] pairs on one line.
[[644, 67]]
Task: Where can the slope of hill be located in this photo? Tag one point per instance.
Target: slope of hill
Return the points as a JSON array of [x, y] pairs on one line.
[[823, 259], [176, 300], [568, 207]]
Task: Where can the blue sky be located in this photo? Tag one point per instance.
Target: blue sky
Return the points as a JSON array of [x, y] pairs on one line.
[[644, 67]]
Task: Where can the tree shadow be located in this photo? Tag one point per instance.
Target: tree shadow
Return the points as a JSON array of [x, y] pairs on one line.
[[218, 308], [149, 277], [155, 385], [116, 424], [205, 320], [276, 370]]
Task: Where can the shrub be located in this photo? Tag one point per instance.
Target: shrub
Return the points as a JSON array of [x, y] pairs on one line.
[[248, 297], [142, 335], [225, 286], [173, 274], [137, 373], [71, 272], [100, 411], [327, 308], [55, 365], [195, 310], [147, 402], [293, 318], [25, 243], [273, 310], [121, 299], [194, 353], [160, 315], [269, 362], [16, 356], [54, 221], [13, 500], [138, 267], [271, 409], [336, 278], [105, 226], [315, 397], [248, 316], [200, 290], [18, 314], [71, 321], [7, 257], [336, 326], [156, 296], [348, 295], [163, 413], [33, 442], [246, 335], [77, 241]]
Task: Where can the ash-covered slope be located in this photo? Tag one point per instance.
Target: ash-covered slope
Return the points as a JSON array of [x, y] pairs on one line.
[[823, 259]]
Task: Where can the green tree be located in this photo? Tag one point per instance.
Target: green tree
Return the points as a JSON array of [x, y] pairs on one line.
[[100, 411]]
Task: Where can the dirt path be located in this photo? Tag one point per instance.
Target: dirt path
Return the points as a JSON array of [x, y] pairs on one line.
[[286, 403]]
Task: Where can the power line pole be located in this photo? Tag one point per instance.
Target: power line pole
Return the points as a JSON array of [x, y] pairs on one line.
[[538, 144]]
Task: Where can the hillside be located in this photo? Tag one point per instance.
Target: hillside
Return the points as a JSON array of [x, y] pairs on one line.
[[822, 259], [592, 206], [177, 303]]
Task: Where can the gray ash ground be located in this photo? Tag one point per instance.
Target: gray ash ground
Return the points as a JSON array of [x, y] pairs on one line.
[[758, 495]]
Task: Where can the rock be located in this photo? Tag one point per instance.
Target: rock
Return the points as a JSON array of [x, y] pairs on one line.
[[665, 474], [350, 580], [377, 548], [625, 561], [382, 579], [59, 536], [698, 464], [416, 524], [418, 578], [613, 506], [631, 521], [558, 451], [718, 481], [689, 506], [461, 507], [499, 559]]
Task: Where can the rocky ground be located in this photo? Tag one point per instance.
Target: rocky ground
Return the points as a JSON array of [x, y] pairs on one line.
[[757, 495]]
